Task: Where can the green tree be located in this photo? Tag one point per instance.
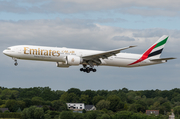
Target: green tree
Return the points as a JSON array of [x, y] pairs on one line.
[[176, 98], [12, 105], [66, 115], [47, 116], [96, 99], [122, 96], [64, 97], [142, 106], [149, 101], [90, 93], [38, 113], [59, 105], [103, 93], [133, 108], [103, 104], [123, 115], [5, 94], [28, 102], [25, 114], [45, 108], [31, 111], [78, 116], [83, 111], [114, 101], [131, 96], [105, 116], [37, 101], [120, 106], [164, 108], [125, 90], [2, 102], [12, 97], [75, 91], [70, 98], [177, 111], [84, 99], [53, 114], [91, 115]]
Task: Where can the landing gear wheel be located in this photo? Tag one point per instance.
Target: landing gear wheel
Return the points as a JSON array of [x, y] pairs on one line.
[[87, 70], [90, 69], [16, 64], [94, 70], [81, 69]]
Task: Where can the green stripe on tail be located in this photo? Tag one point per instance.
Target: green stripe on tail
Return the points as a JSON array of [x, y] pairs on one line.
[[161, 43]]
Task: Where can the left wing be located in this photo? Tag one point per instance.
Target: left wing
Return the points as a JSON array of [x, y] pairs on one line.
[[105, 55]]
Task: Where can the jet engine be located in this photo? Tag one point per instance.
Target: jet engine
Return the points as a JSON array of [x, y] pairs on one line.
[[62, 64], [73, 60]]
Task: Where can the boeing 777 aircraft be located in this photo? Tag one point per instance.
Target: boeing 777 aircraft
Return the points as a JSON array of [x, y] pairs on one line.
[[65, 57]]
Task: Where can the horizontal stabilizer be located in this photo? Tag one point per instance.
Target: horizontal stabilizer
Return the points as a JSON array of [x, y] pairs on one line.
[[170, 58]]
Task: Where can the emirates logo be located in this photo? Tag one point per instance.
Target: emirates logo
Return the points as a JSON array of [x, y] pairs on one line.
[[72, 60]]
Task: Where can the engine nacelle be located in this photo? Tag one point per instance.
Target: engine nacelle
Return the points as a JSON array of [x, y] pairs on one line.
[[62, 64], [73, 60]]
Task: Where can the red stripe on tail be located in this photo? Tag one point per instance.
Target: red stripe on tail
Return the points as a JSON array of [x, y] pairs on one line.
[[145, 55]]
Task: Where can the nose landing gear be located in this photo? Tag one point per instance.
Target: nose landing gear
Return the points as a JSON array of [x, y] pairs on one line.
[[15, 60]]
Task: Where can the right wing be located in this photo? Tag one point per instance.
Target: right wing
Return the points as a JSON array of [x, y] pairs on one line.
[[95, 58], [105, 54]]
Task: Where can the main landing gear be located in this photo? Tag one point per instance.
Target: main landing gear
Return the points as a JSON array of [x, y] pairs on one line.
[[15, 61], [87, 69]]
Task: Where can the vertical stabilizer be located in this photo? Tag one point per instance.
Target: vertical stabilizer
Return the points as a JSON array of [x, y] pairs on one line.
[[154, 52]]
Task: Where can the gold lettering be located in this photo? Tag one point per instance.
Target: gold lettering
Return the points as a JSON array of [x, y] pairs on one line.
[[72, 52], [53, 52], [42, 52], [66, 51], [58, 52], [25, 49], [46, 52], [34, 50], [38, 51], [50, 52]]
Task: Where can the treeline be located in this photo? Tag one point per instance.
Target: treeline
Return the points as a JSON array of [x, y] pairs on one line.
[[51, 104]]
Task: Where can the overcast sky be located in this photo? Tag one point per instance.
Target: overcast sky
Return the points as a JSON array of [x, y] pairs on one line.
[[93, 24]]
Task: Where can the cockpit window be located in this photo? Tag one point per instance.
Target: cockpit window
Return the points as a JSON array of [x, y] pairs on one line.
[[8, 49]]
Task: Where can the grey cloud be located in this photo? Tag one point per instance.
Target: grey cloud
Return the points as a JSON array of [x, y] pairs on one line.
[[123, 38], [77, 33], [140, 7], [156, 32]]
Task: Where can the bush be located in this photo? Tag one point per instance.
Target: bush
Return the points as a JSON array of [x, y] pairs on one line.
[[66, 115], [105, 116], [78, 116]]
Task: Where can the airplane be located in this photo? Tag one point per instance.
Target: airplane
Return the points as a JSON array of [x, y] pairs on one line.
[[66, 57]]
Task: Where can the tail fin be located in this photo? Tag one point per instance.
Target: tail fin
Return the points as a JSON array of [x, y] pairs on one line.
[[154, 52]]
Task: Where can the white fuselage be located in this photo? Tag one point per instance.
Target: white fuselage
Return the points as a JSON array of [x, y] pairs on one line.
[[55, 54]]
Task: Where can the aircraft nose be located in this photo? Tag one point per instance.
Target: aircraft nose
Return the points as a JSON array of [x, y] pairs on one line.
[[3, 51]]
